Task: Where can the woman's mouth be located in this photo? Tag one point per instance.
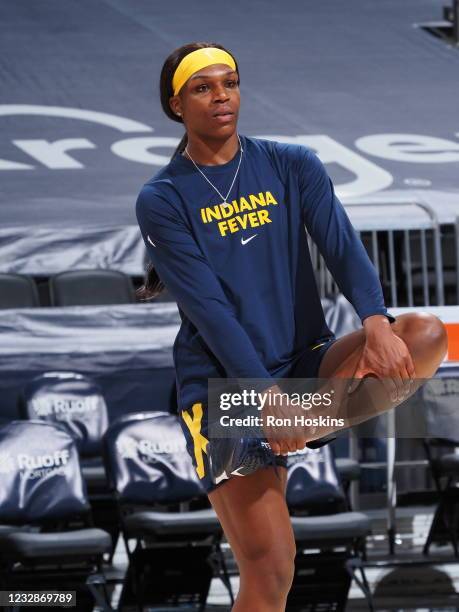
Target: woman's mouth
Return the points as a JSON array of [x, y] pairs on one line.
[[224, 117]]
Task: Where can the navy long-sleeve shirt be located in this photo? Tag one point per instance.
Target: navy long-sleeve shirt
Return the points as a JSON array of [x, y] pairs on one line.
[[241, 273]]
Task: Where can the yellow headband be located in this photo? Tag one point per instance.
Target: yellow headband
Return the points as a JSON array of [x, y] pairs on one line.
[[196, 60]]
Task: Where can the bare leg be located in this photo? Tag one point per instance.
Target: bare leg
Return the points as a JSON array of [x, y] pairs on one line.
[[254, 516], [423, 333], [426, 339]]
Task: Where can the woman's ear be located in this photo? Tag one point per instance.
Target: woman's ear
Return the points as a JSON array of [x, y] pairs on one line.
[[175, 105]]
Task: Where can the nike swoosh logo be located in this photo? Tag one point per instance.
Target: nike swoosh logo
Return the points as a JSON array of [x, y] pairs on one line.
[[248, 239], [222, 476], [151, 241]]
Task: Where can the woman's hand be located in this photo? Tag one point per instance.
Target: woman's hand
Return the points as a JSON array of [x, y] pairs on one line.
[[283, 439], [386, 356]]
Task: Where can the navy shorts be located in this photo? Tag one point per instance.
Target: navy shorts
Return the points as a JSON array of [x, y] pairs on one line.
[[216, 460]]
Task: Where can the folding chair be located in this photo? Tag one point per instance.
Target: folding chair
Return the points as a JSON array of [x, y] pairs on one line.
[[444, 467], [176, 549], [42, 487], [76, 402], [330, 541], [441, 444], [91, 288]]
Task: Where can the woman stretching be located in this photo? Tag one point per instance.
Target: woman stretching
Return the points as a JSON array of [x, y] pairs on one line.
[[224, 225]]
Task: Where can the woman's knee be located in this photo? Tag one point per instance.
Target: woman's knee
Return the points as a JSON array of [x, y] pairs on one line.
[[426, 331], [273, 572], [254, 516]]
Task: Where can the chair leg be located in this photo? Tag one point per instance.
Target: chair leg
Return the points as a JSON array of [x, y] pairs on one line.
[[364, 551], [347, 494], [392, 540], [438, 521], [95, 583], [368, 590], [225, 576], [220, 570], [113, 550], [351, 566], [448, 518], [453, 530], [360, 548]]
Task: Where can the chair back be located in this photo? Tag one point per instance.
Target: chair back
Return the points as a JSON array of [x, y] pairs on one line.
[[313, 483], [91, 288], [40, 475], [18, 291], [75, 401], [147, 461]]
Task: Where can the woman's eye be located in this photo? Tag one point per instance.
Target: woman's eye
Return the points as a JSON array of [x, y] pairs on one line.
[[203, 87]]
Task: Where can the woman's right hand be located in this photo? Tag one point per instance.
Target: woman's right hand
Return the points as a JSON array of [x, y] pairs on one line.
[[282, 436]]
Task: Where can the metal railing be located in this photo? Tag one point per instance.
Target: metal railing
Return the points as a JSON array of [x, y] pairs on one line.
[[409, 255], [405, 249]]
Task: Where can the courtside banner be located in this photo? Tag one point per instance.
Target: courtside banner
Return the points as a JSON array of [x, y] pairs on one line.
[[314, 408]]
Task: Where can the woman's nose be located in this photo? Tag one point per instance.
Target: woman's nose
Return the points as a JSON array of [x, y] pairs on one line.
[[221, 93]]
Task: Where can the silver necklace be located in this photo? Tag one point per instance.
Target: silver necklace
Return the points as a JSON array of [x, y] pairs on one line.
[[211, 184]]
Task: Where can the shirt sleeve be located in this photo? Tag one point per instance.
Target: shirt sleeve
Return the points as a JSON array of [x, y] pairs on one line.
[[186, 272], [338, 242]]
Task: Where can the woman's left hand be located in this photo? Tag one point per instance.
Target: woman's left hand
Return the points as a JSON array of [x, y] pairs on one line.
[[386, 356]]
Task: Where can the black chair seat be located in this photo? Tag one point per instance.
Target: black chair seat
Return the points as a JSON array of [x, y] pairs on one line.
[[95, 477], [348, 469], [173, 523], [20, 545], [343, 526]]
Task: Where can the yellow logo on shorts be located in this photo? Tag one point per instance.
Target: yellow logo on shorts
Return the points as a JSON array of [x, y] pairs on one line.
[[200, 442]]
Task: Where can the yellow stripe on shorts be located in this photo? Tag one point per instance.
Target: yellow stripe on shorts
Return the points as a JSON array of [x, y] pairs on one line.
[[200, 442]]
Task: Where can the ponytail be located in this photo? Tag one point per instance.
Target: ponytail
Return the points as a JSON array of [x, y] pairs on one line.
[[153, 285]]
